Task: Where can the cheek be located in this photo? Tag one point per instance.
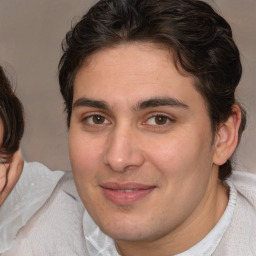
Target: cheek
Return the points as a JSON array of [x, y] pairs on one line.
[[181, 155], [84, 153], [185, 164], [84, 158]]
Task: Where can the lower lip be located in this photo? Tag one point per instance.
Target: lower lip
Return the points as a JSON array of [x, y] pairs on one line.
[[126, 198]]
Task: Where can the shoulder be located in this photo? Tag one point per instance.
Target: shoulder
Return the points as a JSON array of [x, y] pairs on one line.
[[239, 238], [32, 190], [56, 229], [245, 183]]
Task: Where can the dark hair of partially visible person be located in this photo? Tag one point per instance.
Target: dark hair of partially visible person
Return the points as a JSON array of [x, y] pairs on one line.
[[11, 113], [200, 39]]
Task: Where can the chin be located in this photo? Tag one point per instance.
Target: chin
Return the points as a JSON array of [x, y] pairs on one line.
[[126, 235], [121, 230]]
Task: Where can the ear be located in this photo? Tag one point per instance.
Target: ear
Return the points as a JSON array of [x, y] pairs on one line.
[[226, 138]]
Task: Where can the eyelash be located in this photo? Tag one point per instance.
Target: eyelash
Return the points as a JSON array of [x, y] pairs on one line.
[[161, 115], [92, 115]]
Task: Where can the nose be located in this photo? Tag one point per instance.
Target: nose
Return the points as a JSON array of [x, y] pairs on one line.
[[123, 151]]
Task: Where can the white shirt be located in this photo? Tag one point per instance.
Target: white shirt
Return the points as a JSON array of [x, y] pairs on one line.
[[30, 193]]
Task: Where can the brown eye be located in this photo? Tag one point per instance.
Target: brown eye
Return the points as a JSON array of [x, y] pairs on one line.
[[98, 119], [158, 120], [161, 120]]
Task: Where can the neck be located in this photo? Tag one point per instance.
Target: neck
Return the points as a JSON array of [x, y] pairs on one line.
[[189, 233]]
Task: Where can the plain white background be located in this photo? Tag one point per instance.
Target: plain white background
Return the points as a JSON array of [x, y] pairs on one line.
[[31, 32]]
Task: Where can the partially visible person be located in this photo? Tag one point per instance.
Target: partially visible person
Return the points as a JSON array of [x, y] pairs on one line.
[[11, 131], [24, 187]]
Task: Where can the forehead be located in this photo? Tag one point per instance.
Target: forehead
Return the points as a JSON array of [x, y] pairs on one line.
[[131, 72]]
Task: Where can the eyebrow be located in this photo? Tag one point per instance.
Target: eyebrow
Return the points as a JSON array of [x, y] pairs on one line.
[[150, 103], [85, 102], [158, 102]]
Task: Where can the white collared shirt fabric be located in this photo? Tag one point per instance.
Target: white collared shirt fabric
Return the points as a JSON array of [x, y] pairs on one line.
[[31, 191]]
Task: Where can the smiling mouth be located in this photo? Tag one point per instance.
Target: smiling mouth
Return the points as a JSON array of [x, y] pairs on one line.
[[125, 191], [125, 194]]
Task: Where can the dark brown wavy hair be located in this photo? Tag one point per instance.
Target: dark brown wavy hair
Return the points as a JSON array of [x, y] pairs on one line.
[[11, 114], [200, 39]]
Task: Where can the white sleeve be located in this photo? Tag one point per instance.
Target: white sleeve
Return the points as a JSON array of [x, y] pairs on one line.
[[34, 187]]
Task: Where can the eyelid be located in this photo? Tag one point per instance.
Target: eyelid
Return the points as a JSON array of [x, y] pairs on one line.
[[95, 113], [160, 114], [92, 113]]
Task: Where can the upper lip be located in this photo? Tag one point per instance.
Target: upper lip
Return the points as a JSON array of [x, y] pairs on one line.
[[126, 186]]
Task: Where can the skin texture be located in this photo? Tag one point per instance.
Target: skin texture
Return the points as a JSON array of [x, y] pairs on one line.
[[9, 172], [139, 123]]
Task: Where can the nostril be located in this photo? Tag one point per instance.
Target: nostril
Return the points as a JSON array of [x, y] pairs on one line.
[[117, 163], [121, 162]]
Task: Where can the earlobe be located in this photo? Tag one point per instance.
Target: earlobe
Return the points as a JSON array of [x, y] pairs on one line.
[[226, 138]]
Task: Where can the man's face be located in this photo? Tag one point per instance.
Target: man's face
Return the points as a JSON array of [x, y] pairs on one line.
[[140, 143]]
